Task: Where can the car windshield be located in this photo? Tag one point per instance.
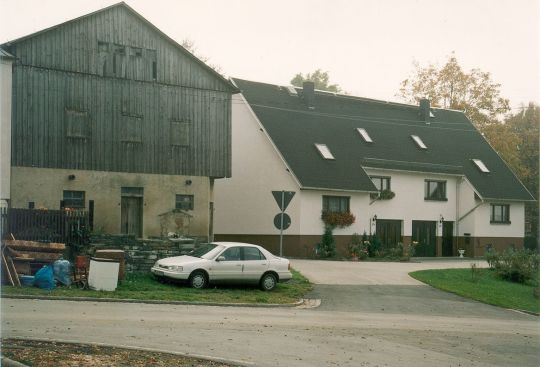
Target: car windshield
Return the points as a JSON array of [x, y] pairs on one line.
[[206, 251]]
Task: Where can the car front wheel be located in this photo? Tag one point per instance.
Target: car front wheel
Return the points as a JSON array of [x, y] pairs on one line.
[[198, 280], [268, 282]]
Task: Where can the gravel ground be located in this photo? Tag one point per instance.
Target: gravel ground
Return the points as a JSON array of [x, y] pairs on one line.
[[48, 354]]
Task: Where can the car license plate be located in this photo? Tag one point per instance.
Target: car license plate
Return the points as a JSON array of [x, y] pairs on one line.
[[158, 272]]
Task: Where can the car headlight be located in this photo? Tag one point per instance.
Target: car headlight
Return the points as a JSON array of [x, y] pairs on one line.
[[156, 264], [176, 268]]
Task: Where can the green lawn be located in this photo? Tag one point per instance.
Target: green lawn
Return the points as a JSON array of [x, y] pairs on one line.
[[487, 288], [143, 286]]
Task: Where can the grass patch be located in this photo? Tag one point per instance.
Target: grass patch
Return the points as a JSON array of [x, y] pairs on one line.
[[484, 287], [143, 286]]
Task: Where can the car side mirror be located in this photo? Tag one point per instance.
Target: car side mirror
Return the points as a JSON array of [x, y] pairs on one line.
[[220, 258]]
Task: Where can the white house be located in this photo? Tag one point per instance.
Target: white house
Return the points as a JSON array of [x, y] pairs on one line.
[[341, 153]]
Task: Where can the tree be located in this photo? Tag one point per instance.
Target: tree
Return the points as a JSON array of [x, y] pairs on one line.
[[517, 142], [192, 47], [319, 77], [450, 87]]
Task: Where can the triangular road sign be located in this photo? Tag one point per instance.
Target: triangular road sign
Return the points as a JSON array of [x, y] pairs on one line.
[[286, 199]]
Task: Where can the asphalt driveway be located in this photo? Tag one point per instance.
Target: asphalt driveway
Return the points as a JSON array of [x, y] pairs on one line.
[[386, 287], [373, 273]]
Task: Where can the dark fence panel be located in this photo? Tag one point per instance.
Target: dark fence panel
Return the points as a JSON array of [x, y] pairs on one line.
[[63, 226]]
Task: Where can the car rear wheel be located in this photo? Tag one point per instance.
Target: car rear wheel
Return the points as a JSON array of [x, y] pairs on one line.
[[198, 280], [268, 282]]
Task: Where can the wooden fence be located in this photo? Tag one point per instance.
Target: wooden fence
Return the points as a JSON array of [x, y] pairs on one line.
[[63, 226]]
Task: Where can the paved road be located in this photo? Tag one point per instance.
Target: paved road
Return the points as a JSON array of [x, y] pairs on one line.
[[386, 325]]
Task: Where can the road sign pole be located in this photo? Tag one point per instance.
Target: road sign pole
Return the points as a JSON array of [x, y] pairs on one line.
[[281, 226]]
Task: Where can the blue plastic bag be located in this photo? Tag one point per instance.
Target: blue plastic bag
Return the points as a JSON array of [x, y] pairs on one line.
[[62, 271], [44, 278]]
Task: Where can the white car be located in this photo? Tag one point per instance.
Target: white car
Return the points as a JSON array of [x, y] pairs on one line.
[[227, 262]]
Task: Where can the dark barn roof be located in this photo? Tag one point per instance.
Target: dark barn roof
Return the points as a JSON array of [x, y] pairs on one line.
[[451, 139]]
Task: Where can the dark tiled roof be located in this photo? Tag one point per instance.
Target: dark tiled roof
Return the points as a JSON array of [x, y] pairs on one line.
[[452, 141]]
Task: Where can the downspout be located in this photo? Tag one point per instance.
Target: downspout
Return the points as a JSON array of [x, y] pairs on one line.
[[458, 184]]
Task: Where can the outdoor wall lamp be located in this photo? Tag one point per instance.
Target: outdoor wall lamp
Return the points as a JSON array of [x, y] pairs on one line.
[[188, 182], [374, 219], [441, 219], [71, 177]]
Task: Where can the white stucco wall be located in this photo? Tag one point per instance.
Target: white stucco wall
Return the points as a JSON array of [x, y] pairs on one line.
[[467, 203], [5, 130], [483, 227], [244, 203]]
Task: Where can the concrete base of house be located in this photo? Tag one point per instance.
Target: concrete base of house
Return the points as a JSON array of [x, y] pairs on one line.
[[303, 246]]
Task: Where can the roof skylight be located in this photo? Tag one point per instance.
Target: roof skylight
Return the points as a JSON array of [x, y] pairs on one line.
[[325, 152], [418, 142], [292, 90], [481, 166], [364, 134]]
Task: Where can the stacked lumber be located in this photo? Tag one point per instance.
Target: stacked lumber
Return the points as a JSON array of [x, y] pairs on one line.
[[36, 251], [18, 255]]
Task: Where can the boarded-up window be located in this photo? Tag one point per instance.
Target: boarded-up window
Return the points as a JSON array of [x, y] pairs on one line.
[[131, 129], [119, 61], [180, 133], [77, 123]]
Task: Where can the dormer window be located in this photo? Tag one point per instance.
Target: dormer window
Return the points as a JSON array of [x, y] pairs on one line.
[[325, 152], [418, 142], [481, 166], [364, 135]]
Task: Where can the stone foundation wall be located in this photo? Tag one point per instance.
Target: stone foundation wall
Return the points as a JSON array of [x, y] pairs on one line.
[[141, 254]]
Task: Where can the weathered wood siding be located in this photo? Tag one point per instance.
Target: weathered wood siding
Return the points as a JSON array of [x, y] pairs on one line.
[[108, 92]]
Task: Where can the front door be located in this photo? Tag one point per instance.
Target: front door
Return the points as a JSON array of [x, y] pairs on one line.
[[131, 216], [389, 232], [448, 239], [424, 233]]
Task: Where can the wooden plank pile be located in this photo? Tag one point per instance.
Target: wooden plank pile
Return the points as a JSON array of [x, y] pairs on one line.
[[19, 257]]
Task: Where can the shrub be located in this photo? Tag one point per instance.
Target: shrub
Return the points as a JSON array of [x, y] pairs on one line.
[[515, 265], [357, 247], [374, 248], [338, 219], [327, 246]]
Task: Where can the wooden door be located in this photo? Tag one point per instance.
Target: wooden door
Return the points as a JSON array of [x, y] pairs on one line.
[[131, 216], [389, 232], [424, 232], [448, 239]]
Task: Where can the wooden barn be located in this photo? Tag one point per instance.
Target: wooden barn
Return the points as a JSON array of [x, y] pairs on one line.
[[110, 115]]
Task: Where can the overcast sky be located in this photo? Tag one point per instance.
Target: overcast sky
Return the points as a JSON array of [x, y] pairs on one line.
[[368, 47]]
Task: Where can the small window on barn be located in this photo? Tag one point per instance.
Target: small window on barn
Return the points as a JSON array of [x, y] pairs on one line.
[[73, 199], [180, 131], [480, 165], [364, 134], [324, 151], [184, 202], [418, 142], [131, 128], [77, 123]]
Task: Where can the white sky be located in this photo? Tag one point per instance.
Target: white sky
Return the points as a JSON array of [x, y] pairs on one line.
[[368, 46]]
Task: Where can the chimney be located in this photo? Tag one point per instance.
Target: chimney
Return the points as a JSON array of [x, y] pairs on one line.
[[424, 110], [309, 94]]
